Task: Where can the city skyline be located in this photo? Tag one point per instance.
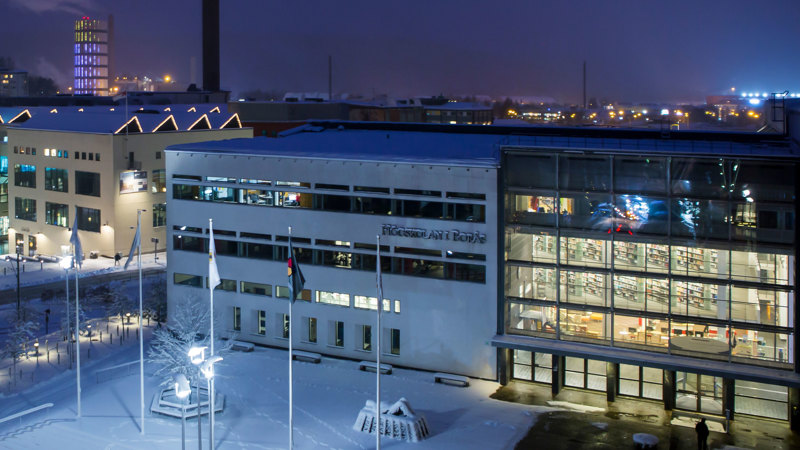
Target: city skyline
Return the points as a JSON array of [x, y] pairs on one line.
[[679, 52]]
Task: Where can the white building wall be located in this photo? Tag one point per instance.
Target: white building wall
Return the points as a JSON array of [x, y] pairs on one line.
[[117, 211], [444, 325]]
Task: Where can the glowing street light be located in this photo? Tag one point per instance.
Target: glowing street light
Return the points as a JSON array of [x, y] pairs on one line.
[[182, 390], [197, 355]]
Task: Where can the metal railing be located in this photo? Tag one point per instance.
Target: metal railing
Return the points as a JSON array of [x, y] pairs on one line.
[[118, 371], [22, 414]]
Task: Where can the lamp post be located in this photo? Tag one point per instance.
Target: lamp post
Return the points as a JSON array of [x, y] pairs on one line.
[[207, 369], [182, 390], [197, 355], [66, 264]]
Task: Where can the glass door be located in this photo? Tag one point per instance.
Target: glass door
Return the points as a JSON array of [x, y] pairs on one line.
[[31, 245], [700, 393]]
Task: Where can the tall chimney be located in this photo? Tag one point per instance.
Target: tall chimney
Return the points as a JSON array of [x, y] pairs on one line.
[[211, 45]]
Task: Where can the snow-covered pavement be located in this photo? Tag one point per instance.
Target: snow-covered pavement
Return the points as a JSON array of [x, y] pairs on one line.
[[328, 397]]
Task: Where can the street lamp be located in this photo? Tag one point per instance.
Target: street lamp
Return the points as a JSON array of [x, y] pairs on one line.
[[197, 355], [182, 390], [207, 369]]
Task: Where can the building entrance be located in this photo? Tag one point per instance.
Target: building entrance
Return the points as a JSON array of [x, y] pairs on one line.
[[31, 245], [699, 393]]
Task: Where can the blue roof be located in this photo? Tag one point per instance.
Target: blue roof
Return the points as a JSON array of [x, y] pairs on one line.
[[479, 146], [364, 145], [101, 120]]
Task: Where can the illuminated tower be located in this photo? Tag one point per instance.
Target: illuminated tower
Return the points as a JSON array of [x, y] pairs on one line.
[[92, 55]]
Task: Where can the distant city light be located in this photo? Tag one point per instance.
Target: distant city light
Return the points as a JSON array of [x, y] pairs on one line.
[[665, 112], [754, 101]]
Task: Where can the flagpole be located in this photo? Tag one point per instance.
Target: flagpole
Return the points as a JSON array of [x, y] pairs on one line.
[[141, 333], [77, 336], [378, 353], [291, 319], [211, 393]]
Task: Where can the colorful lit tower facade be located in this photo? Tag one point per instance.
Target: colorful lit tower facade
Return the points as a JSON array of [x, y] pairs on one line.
[[92, 55]]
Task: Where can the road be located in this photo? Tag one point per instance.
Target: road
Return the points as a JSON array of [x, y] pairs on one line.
[[33, 292]]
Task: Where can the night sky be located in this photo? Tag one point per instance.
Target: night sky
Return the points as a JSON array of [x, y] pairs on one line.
[[636, 50]]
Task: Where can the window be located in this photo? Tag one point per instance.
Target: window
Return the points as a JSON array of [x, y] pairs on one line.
[[283, 292], [247, 287], [394, 341], [159, 180], [237, 318], [56, 214], [158, 156], [88, 219], [262, 321], [284, 325], [333, 298], [366, 338], [224, 285], [364, 302], [87, 183], [312, 330], [337, 333], [96, 157], [187, 280], [56, 179], [159, 214], [25, 175], [25, 209]]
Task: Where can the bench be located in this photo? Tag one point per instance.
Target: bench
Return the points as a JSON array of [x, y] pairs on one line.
[[449, 378], [369, 366], [240, 346], [306, 356]]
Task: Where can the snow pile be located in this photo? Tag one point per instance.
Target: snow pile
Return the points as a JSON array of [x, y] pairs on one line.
[[398, 421]]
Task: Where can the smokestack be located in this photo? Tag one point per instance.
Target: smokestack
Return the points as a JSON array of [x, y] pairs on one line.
[[211, 45], [584, 84]]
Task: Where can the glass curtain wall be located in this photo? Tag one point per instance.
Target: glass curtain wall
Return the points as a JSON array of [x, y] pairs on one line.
[[687, 255]]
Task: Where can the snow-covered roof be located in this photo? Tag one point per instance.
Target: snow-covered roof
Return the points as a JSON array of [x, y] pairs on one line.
[[364, 145], [105, 120]]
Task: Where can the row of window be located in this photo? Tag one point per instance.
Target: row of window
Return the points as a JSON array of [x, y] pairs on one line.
[[56, 153], [712, 178], [677, 335], [705, 261], [262, 289], [334, 258], [86, 183], [334, 187], [336, 203], [57, 214], [333, 243], [309, 332], [742, 220]]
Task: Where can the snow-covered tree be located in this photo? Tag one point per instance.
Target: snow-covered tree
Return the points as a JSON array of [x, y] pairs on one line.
[[20, 335], [116, 302], [155, 302], [187, 328], [81, 315]]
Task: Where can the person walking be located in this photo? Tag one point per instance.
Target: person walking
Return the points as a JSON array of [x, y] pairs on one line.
[[702, 434]]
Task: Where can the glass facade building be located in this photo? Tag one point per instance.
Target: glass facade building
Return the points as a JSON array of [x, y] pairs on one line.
[[684, 255]]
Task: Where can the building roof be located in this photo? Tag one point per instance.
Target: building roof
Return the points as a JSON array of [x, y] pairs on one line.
[[475, 145], [113, 120], [363, 145]]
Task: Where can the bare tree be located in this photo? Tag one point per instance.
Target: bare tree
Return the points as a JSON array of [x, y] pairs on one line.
[[20, 334]]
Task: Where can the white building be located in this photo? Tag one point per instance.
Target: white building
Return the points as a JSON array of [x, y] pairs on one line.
[[432, 197], [105, 165]]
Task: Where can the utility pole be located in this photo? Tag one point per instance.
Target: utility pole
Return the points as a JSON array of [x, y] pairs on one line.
[[18, 300]]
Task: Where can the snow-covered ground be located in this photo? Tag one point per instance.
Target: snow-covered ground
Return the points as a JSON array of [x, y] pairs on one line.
[[327, 398]]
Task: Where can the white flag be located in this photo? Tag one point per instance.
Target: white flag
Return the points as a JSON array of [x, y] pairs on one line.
[[136, 242], [213, 273], [78, 251]]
